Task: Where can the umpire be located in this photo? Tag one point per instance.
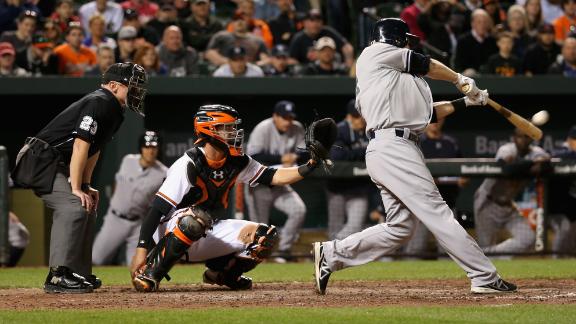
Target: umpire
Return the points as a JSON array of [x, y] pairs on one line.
[[58, 163]]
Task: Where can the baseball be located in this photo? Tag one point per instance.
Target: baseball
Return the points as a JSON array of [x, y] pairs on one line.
[[540, 118]]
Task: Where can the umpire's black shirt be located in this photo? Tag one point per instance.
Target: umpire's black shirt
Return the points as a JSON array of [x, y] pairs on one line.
[[94, 118]]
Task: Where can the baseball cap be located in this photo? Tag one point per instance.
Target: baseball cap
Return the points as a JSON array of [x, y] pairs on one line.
[[130, 14], [236, 52], [546, 29], [280, 50], [7, 48], [127, 32], [285, 109], [313, 14], [351, 108], [324, 42], [572, 132]]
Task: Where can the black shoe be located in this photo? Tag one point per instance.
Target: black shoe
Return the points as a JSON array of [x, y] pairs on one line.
[[213, 277], [321, 270], [94, 281], [498, 286], [64, 280]]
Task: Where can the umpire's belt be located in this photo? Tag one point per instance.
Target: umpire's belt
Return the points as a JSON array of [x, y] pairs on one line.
[[400, 132], [126, 217]]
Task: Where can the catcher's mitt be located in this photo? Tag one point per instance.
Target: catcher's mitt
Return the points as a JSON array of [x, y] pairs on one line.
[[320, 136]]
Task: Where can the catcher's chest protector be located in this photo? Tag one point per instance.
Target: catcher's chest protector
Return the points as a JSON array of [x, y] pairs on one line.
[[210, 187]]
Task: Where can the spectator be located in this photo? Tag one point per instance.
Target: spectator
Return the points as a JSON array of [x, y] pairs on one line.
[[18, 239], [410, 16], [495, 11], [136, 182], [222, 41], [534, 14], [183, 8], [567, 64], [147, 57], [165, 17], [562, 201], [98, 36], [257, 27], [64, 14], [266, 9], [52, 32], [238, 66], [504, 63], [566, 23], [146, 9], [325, 63], [541, 55], [462, 15], [39, 59], [21, 38], [436, 144], [517, 23], [10, 10], [144, 33], [74, 58], [274, 142], [7, 58], [494, 207], [348, 199], [126, 48], [200, 26], [434, 22], [112, 12], [105, 57], [551, 10], [476, 46], [286, 24], [179, 60], [280, 65]]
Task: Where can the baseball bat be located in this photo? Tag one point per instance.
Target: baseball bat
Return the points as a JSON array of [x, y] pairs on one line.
[[524, 125]]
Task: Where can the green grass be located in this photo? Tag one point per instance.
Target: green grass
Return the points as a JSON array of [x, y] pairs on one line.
[[392, 314], [302, 272]]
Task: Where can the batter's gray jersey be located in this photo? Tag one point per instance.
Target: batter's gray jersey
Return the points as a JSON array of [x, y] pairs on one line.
[[387, 94], [505, 190], [266, 138]]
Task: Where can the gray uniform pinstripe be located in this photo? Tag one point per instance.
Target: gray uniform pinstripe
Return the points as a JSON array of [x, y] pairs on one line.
[[494, 207], [260, 199], [135, 189], [389, 98]]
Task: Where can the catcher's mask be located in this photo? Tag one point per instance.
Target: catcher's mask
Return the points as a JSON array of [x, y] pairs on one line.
[[218, 125], [135, 78]]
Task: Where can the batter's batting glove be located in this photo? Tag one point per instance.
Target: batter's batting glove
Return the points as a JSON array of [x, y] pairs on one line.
[[464, 80], [319, 138], [480, 100]]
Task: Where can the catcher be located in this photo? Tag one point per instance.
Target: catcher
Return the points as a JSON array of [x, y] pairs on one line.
[[194, 196]]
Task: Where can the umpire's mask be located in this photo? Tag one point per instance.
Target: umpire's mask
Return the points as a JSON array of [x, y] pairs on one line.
[[135, 78]]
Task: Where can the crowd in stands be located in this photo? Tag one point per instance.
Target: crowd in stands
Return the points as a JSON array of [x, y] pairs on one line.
[[254, 38]]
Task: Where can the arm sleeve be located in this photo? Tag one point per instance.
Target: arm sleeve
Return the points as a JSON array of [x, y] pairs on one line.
[[255, 173], [267, 158], [149, 224], [87, 125], [176, 184], [418, 63]]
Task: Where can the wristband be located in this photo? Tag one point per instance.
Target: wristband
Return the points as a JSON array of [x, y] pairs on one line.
[[306, 169], [458, 103], [85, 186]]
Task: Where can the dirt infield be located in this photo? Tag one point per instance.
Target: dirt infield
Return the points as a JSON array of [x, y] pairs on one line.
[[340, 293]]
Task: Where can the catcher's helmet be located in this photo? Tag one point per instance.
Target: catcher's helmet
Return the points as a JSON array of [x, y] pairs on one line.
[[135, 78], [393, 31], [218, 125], [149, 139]]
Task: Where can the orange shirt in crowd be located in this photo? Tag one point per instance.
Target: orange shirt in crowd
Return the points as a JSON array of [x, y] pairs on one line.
[[72, 62], [562, 27], [258, 28]]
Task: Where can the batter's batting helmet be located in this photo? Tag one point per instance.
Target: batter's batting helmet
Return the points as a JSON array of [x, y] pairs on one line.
[[393, 31], [218, 125]]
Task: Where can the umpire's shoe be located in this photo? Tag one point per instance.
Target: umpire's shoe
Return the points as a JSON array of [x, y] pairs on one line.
[[64, 280], [498, 286], [94, 281], [322, 271]]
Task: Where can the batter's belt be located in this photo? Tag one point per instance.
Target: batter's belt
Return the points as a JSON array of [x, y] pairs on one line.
[[400, 132]]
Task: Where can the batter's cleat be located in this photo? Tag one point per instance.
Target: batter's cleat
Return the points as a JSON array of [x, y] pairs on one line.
[[62, 280], [144, 284], [321, 270], [94, 281], [497, 287], [213, 277]]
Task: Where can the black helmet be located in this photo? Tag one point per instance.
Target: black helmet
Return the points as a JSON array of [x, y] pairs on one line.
[[218, 125], [393, 31], [135, 78], [149, 139]]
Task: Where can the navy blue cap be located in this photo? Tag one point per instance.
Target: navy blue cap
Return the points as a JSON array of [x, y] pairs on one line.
[[280, 50], [572, 132], [285, 108], [351, 108], [236, 52]]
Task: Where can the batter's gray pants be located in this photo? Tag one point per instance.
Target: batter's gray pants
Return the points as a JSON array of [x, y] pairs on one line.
[[260, 200], [115, 232], [351, 208], [72, 229], [564, 234], [490, 218], [396, 165]]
